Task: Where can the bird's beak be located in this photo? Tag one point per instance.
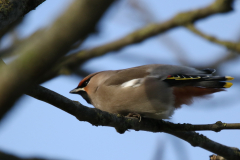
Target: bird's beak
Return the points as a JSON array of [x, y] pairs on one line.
[[76, 90]]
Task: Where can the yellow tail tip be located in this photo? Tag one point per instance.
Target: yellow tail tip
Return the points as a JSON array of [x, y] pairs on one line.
[[227, 85], [229, 78]]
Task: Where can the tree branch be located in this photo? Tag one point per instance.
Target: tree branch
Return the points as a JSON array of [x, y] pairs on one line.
[[74, 60], [229, 45], [199, 140], [8, 156], [11, 10], [37, 56], [97, 117]]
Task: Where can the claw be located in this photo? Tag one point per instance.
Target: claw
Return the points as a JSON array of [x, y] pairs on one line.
[[136, 115]]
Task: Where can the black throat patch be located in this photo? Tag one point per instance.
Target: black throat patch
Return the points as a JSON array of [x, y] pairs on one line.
[[85, 96]]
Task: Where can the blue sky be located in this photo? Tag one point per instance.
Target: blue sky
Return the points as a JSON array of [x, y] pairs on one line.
[[35, 128]]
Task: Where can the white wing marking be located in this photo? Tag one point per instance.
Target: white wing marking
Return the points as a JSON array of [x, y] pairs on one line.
[[132, 83]]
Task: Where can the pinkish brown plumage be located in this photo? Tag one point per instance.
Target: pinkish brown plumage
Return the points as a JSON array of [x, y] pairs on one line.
[[152, 91]]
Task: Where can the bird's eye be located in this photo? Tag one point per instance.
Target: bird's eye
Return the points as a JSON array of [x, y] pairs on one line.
[[85, 83]]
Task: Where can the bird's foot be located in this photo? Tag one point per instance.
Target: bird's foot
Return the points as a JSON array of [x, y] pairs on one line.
[[136, 115], [76, 102]]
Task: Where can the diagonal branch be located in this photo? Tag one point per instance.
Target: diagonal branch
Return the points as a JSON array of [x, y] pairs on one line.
[[37, 56], [8, 156], [97, 117], [12, 10], [74, 60], [199, 140], [229, 45]]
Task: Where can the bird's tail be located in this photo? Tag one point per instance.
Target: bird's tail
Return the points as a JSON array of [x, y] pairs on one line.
[[205, 81], [187, 87]]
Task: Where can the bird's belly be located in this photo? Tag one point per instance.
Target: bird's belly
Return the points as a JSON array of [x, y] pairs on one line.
[[148, 101], [150, 109]]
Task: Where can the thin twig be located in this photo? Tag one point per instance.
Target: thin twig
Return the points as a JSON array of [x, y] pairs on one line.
[[229, 45], [74, 60]]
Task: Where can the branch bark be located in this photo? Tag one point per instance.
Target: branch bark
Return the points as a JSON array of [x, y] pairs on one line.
[[8, 156], [74, 60], [229, 45], [42, 52], [97, 117], [12, 10]]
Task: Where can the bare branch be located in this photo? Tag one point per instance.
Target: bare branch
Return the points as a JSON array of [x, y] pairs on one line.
[[199, 140], [41, 53], [8, 156], [229, 45], [166, 39], [72, 61], [97, 117], [63, 103], [12, 10]]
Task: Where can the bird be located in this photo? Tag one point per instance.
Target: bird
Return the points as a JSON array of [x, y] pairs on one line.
[[151, 91]]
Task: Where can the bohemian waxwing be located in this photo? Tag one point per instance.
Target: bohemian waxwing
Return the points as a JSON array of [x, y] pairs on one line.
[[152, 91]]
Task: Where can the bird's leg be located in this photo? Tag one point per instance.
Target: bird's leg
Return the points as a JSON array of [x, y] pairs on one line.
[[76, 102], [136, 115]]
